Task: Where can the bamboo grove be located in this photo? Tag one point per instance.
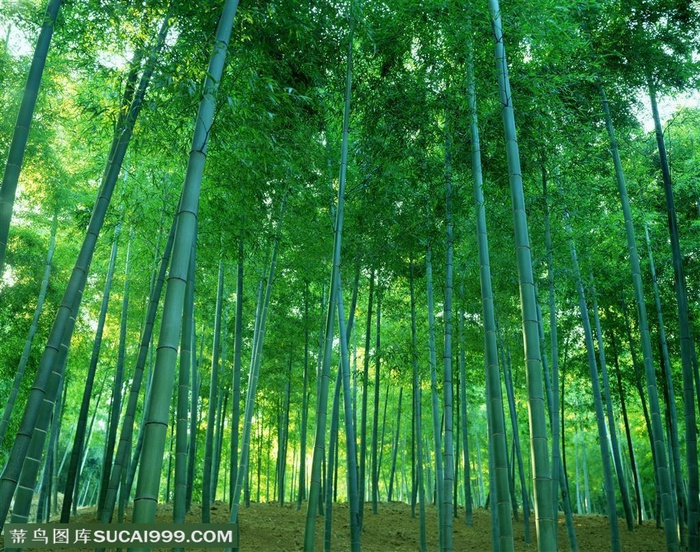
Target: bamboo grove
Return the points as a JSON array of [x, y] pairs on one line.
[[365, 252]]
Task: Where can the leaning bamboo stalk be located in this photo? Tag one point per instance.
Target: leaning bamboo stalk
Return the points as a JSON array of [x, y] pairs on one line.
[[163, 375]]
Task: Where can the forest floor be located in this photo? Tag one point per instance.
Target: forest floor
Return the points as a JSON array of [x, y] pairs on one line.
[[270, 527]]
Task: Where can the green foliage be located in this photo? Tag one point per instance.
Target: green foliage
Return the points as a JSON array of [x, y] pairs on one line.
[[277, 131]]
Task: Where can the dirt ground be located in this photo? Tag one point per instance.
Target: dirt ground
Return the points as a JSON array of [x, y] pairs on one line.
[[269, 527]]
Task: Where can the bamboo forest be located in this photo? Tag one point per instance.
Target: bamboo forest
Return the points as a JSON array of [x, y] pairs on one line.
[[384, 275]]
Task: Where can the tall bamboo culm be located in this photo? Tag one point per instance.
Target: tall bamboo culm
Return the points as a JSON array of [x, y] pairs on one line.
[[544, 522], [323, 380], [15, 157], [50, 371], [657, 435], [157, 416], [499, 447]]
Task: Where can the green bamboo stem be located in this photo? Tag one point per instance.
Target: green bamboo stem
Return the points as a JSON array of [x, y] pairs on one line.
[[44, 384], [449, 458], [675, 445], [163, 375], [544, 522], [686, 337], [350, 440], [30, 470], [323, 380], [612, 431], [418, 427], [365, 396], [254, 372], [213, 394], [498, 448], [625, 418], [508, 381], [609, 488], [236, 383], [395, 449], [468, 502], [183, 390], [15, 157], [121, 458], [375, 410], [664, 477], [435, 402], [332, 463], [301, 494], [19, 374], [116, 402], [87, 391]]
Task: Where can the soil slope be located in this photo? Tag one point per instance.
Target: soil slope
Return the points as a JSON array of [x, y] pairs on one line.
[[270, 527]]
